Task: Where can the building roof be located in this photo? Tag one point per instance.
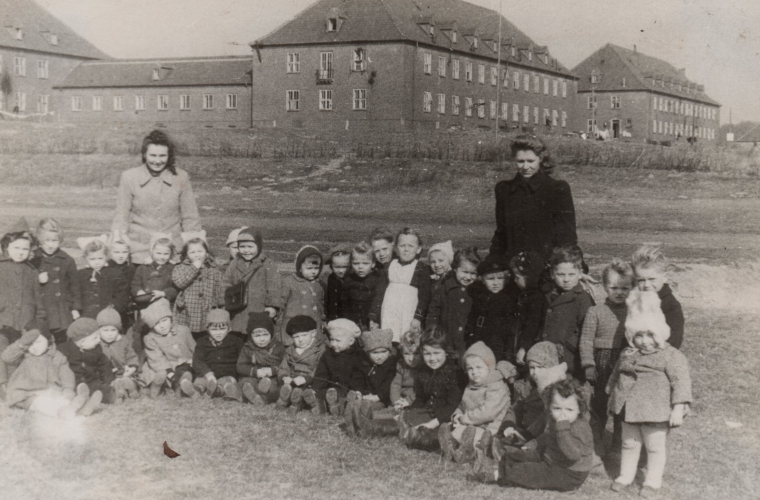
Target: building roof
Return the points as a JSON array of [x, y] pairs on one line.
[[641, 72], [363, 21], [179, 72], [26, 25]]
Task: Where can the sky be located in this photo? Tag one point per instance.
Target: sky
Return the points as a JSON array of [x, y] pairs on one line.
[[717, 41]]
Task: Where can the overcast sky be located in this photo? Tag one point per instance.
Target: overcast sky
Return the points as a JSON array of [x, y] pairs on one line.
[[717, 41]]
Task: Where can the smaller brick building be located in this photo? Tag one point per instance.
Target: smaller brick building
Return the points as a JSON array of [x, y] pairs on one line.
[[625, 94], [204, 91]]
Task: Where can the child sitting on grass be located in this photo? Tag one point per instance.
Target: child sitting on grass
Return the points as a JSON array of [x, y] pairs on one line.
[[438, 386], [651, 270], [338, 368], [650, 389], [99, 285], [562, 456], [43, 382], [336, 295], [169, 349], [451, 304], [259, 361], [484, 404], [200, 287], [567, 305], [362, 284], [440, 257], [302, 294], [530, 312], [215, 360], [493, 309], [296, 373], [402, 387], [377, 370], [118, 349], [86, 358]]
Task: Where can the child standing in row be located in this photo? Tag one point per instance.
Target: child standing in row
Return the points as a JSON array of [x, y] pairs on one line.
[[361, 285], [259, 361], [490, 318], [302, 294], [154, 281], [336, 295], [440, 257], [98, 285], [382, 241]]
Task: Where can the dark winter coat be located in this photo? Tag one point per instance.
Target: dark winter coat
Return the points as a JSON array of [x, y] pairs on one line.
[[127, 269], [264, 287], [221, 360], [534, 214], [340, 370], [564, 321], [529, 318], [449, 308], [377, 379], [420, 280], [93, 291], [90, 367], [569, 445], [253, 357], [199, 291], [527, 415], [336, 297], [57, 295], [439, 391], [491, 321], [121, 353], [20, 300], [673, 312], [361, 294], [301, 365], [150, 278]]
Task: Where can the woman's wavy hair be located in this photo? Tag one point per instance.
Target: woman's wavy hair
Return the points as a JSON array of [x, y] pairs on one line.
[[160, 138], [535, 144]]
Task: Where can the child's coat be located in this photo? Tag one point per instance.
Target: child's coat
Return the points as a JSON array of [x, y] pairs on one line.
[[165, 352], [360, 295], [449, 308], [264, 288], [91, 367], [491, 321], [57, 295], [403, 295], [199, 291], [253, 357], [673, 312], [403, 383], [150, 278], [301, 297], [339, 370], [336, 297], [121, 353], [485, 405], [96, 290], [301, 365], [19, 294], [36, 373], [221, 360], [439, 392], [564, 321], [377, 379]]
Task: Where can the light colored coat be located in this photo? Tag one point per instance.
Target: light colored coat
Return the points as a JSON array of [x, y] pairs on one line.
[[264, 288], [36, 373], [301, 297], [485, 405], [146, 205]]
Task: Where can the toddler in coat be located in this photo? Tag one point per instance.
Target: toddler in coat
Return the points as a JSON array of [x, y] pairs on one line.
[[296, 373], [336, 295], [169, 350], [650, 388], [530, 310], [377, 371], [98, 285], [120, 261], [361, 285], [259, 361], [338, 371], [86, 358], [215, 360], [118, 349], [484, 404], [402, 387], [302, 294], [154, 281]]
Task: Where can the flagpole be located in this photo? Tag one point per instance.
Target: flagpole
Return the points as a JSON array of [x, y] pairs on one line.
[[498, 74]]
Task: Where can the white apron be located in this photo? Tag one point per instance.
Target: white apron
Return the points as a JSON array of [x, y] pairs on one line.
[[400, 300]]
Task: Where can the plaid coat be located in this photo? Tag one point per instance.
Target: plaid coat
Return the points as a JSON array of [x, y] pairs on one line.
[[57, 295], [200, 290]]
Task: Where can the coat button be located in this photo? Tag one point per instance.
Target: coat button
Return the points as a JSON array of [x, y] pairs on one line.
[[56, 269], [549, 310], [56, 281], [57, 294], [461, 300], [315, 308]]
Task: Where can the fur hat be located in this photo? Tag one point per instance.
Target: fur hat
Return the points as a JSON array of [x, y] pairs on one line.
[[544, 353], [216, 316], [343, 328], [258, 320], [446, 247], [645, 315], [155, 312], [305, 252], [377, 339], [81, 328], [250, 234], [493, 263], [483, 352], [233, 237], [300, 324], [109, 317]]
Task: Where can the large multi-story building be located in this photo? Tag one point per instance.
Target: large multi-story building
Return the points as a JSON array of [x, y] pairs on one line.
[[36, 51], [203, 91], [624, 93], [406, 63]]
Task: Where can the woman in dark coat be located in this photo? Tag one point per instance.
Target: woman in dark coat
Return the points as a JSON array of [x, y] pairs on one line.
[[533, 210]]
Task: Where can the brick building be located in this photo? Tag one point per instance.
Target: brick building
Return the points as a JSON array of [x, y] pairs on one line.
[[204, 91], [406, 63], [36, 51], [632, 95]]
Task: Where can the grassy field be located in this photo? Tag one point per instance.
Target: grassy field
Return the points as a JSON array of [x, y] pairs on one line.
[[708, 220]]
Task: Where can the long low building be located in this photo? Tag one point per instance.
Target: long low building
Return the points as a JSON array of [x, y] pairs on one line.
[[203, 91]]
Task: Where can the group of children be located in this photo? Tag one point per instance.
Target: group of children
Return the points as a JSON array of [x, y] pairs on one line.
[[484, 359]]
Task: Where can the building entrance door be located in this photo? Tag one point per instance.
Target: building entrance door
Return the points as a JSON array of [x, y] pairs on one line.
[[615, 129]]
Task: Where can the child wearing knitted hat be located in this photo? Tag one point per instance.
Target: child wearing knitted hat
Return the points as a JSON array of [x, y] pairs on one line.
[[338, 368], [650, 387], [86, 358], [169, 350], [440, 257], [484, 404], [302, 294], [215, 360], [43, 381], [377, 371], [118, 348], [530, 310], [260, 360], [299, 365]]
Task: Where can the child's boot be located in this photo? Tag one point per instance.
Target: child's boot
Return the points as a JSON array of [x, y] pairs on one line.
[[250, 394], [466, 452], [427, 439], [348, 413], [485, 468], [211, 387], [404, 429], [296, 398], [91, 405], [497, 449], [333, 402], [284, 399], [119, 393], [481, 449], [231, 391], [200, 385], [310, 399], [188, 389], [157, 384], [448, 443], [131, 388], [83, 394]]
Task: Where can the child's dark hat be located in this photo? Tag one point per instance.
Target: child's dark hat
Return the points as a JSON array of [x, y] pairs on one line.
[[260, 320], [493, 264], [300, 324], [304, 253]]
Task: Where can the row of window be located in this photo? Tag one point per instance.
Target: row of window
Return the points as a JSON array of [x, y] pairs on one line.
[[550, 117], [19, 102], [326, 61], [18, 34], [684, 108], [558, 86], [162, 102], [19, 67], [682, 129], [293, 100], [592, 101]]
